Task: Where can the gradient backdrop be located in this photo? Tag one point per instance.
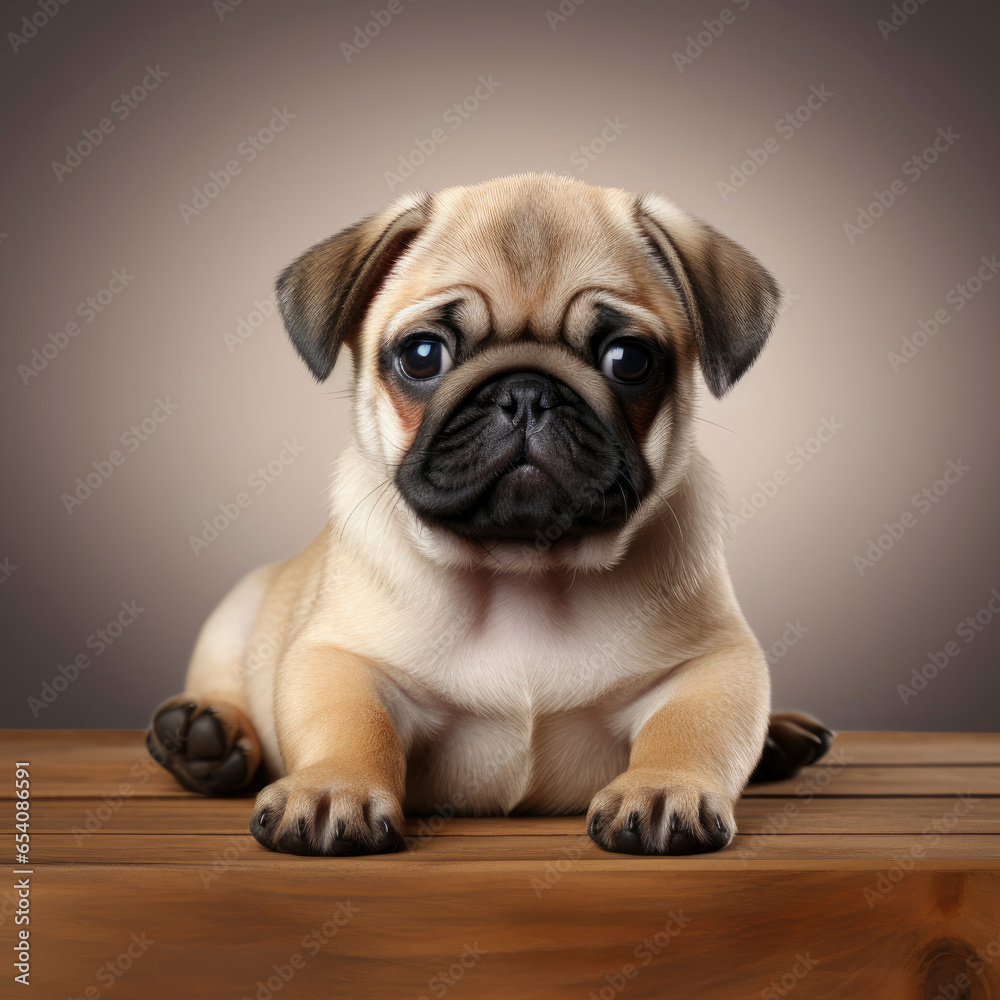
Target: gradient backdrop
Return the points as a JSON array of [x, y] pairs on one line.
[[826, 442]]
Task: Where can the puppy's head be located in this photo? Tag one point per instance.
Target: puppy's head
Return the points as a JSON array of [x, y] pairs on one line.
[[525, 356]]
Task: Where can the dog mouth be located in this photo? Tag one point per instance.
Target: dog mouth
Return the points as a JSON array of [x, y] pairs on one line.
[[523, 458]]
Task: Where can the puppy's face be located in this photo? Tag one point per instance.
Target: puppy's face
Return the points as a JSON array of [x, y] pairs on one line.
[[525, 358]]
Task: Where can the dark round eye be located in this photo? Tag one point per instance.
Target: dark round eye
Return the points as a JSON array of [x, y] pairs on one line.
[[422, 359], [626, 363]]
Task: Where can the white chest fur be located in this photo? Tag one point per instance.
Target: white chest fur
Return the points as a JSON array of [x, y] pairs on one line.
[[527, 688]]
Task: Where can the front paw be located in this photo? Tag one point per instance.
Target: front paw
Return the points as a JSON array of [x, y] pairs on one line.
[[316, 811], [651, 812]]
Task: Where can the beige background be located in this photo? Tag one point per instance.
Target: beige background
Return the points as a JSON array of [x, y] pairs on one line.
[[162, 337]]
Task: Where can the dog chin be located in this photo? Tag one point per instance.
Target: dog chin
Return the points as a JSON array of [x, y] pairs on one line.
[[594, 552]]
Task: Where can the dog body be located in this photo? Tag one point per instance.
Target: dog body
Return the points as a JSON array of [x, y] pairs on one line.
[[506, 694], [520, 601]]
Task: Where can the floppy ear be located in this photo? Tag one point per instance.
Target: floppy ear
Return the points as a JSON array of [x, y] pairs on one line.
[[730, 299], [323, 296]]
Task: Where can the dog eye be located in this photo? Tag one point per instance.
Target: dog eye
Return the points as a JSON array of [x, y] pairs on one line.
[[626, 363], [423, 359]]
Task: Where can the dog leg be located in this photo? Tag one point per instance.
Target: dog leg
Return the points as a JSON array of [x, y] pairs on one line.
[[204, 736], [689, 760], [794, 740], [345, 767]]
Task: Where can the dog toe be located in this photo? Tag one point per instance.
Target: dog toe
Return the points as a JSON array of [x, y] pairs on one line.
[[666, 819], [205, 738], [326, 818], [170, 726], [794, 740]]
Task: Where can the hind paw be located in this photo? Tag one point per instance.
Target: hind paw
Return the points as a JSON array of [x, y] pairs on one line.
[[209, 748], [794, 740]]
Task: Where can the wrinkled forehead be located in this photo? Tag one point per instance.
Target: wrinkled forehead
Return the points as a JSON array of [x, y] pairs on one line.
[[530, 250]]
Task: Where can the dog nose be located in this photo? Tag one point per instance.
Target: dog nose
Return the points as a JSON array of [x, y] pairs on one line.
[[525, 398]]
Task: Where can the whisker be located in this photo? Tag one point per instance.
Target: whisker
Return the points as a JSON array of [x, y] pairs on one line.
[[714, 424], [678, 523], [571, 582], [391, 513], [358, 504], [388, 483]]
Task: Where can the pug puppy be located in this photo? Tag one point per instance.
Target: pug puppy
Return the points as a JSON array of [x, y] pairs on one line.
[[520, 603]]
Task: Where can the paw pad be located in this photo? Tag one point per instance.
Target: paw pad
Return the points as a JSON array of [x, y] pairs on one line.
[[202, 751]]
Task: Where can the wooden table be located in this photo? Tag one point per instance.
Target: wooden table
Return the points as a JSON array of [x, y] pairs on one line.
[[873, 874]]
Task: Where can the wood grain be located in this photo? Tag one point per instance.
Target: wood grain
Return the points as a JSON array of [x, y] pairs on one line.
[[190, 815], [874, 874], [202, 849]]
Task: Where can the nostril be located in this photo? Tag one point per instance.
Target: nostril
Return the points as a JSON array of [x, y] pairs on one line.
[[508, 403], [524, 398]]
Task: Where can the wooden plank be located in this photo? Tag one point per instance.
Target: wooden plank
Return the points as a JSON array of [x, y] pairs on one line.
[[865, 875], [207, 849], [879, 780], [85, 763], [331, 930], [195, 814], [868, 815], [909, 749], [864, 748]]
